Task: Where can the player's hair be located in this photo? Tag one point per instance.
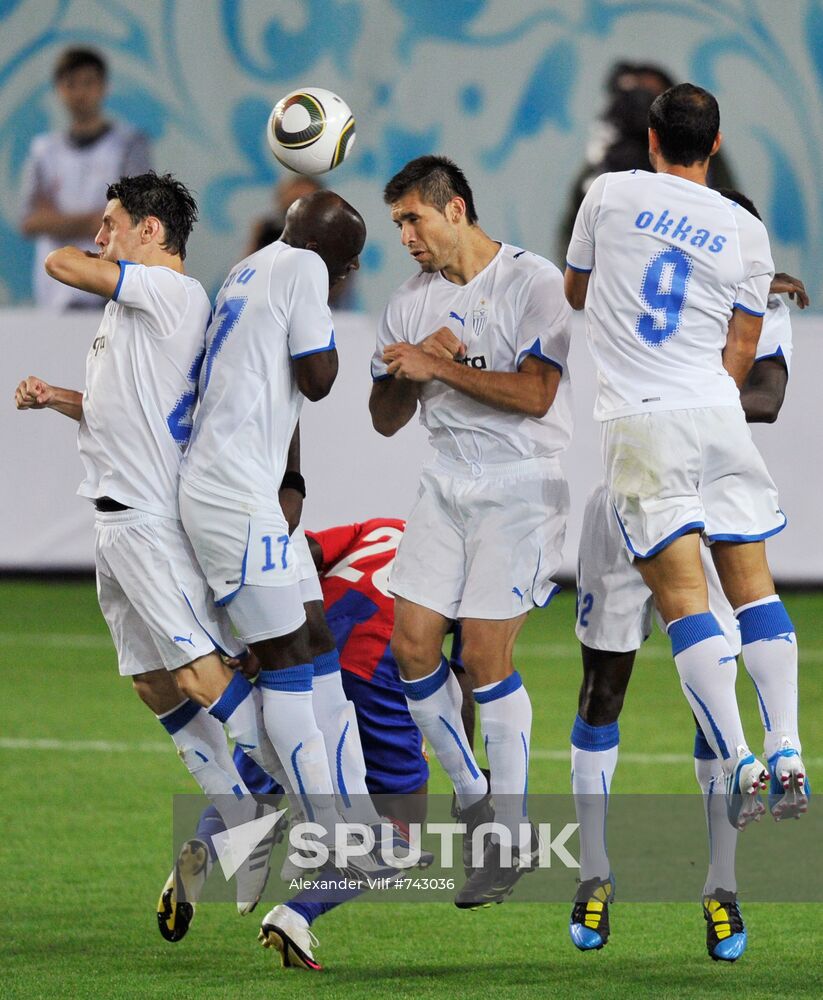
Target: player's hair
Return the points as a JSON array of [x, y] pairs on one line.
[[622, 68], [72, 59], [686, 119], [741, 200], [162, 196], [437, 179]]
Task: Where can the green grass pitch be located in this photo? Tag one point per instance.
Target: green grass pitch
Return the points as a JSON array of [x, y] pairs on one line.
[[86, 839]]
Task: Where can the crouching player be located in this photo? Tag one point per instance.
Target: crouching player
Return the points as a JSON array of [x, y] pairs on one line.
[[613, 620]]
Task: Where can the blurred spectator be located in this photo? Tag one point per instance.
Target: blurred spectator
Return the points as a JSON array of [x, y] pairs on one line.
[[268, 228], [619, 138], [67, 172]]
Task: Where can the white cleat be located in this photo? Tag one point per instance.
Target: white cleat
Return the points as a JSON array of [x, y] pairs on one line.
[[743, 785], [252, 875], [789, 787], [287, 931]]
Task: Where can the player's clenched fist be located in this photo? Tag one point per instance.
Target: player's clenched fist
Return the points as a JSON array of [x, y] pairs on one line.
[[33, 394], [443, 344], [408, 361]]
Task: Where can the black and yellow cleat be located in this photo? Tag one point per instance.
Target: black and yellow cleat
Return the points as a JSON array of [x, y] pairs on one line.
[[589, 924], [175, 908], [726, 937]]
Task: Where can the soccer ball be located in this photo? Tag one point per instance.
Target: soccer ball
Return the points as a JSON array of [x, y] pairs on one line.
[[311, 130]]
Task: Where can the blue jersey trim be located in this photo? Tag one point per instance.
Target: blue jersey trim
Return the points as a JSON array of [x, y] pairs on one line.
[[749, 538], [684, 529], [122, 265], [770, 357], [578, 270], [535, 352], [751, 312], [317, 350], [208, 634]]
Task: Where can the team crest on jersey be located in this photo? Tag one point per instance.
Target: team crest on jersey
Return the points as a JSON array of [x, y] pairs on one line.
[[480, 315]]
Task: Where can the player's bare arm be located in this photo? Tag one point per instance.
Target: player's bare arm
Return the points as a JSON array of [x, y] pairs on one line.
[[392, 404], [762, 394], [35, 394], [575, 285], [83, 269], [783, 283], [741, 345], [292, 489], [315, 374], [529, 391]]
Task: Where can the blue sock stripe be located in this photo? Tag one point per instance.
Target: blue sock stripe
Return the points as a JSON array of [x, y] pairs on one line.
[[702, 750], [301, 788], [179, 717], [526, 782], [418, 690], [472, 769], [297, 678], [341, 784], [586, 737], [767, 722], [764, 621], [326, 663], [506, 686], [239, 688], [721, 743], [692, 629]]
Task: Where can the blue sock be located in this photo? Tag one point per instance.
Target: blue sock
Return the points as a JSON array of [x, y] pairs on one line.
[[313, 903]]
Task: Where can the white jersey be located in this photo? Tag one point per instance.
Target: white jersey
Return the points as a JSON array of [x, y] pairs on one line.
[[670, 261], [141, 387], [273, 307], [514, 308], [776, 335], [74, 177]]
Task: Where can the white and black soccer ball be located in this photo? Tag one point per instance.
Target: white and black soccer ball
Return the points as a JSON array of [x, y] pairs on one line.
[[311, 130]]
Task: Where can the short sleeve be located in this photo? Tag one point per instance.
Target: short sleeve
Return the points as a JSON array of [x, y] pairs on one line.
[[544, 326], [309, 323], [388, 332], [335, 542], [580, 255], [157, 292], [752, 293], [776, 335]]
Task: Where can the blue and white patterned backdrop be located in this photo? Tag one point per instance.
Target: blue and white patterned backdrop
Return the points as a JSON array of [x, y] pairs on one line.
[[508, 89]]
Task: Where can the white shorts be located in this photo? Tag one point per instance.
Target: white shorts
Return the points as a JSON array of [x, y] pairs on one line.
[[153, 595], [483, 546], [249, 560], [673, 471], [310, 589], [614, 605]]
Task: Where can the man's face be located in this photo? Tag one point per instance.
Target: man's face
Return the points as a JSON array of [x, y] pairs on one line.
[[118, 238], [426, 232], [81, 92], [343, 256]]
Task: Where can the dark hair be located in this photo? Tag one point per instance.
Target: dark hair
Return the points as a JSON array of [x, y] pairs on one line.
[[637, 69], [165, 198], [437, 180], [686, 119], [741, 200], [73, 59]]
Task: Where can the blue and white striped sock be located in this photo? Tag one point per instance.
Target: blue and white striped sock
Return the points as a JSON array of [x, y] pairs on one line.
[[707, 669], [593, 760], [434, 703], [770, 656]]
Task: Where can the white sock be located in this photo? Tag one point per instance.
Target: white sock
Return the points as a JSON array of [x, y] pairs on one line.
[[708, 670], [337, 722], [292, 728], [506, 723], [434, 703], [594, 759], [770, 656], [238, 710], [722, 835], [201, 745]]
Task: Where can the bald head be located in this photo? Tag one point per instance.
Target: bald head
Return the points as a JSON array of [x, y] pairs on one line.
[[327, 224]]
